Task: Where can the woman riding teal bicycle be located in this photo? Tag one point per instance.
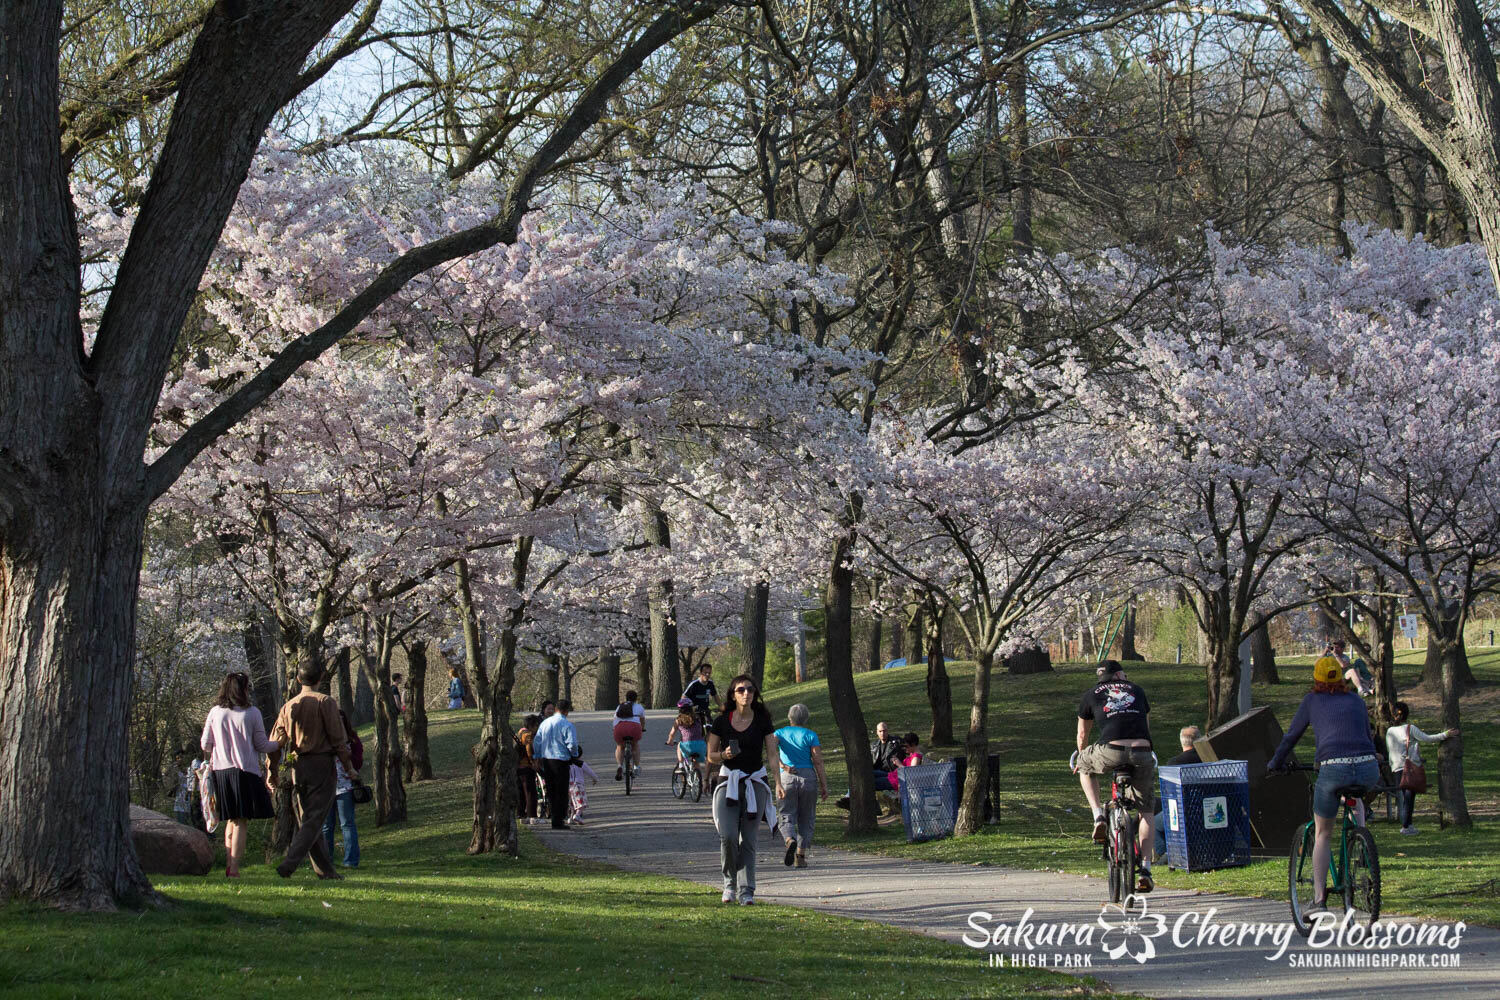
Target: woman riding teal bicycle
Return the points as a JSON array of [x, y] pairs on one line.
[[1345, 756]]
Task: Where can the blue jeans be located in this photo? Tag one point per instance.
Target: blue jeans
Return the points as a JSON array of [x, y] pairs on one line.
[[343, 809], [1333, 776]]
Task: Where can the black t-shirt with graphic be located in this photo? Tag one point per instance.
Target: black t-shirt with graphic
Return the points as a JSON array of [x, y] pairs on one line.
[[1119, 709], [752, 754], [701, 693]]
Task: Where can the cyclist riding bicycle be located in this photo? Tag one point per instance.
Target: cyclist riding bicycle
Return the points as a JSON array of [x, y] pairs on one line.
[[1121, 709], [630, 722], [1344, 753], [690, 736], [702, 693]]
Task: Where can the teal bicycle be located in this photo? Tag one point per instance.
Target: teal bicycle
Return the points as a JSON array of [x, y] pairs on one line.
[[1353, 866]]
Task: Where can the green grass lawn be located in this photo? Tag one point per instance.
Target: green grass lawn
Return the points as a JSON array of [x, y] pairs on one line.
[[1045, 820], [422, 919]]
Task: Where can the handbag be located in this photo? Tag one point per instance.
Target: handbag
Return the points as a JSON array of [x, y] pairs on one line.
[[361, 794], [1413, 776]]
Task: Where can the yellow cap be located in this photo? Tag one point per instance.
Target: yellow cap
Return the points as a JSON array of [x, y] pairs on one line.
[[1327, 670]]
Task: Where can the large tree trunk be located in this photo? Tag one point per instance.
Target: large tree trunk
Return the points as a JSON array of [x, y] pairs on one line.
[[607, 681], [838, 618], [551, 680], [1262, 656], [753, 631], [68, 578], [494, 826], [1384, 654], [664, 689], [364, 700], [939, 691], [977, 749], [417, 764], [1453, 801], [643, 667]]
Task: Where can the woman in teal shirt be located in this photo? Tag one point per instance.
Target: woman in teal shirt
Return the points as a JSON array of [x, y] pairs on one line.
[[801, 762]]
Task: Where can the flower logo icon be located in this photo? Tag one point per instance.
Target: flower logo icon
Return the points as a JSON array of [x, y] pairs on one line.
[[1129, 929]]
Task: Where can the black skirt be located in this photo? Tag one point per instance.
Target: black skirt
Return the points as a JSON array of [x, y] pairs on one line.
[[242, 795]]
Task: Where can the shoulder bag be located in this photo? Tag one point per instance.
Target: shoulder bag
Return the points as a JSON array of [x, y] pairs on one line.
[[1413, 776]]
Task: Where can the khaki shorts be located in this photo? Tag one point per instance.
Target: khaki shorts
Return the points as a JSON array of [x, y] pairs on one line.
[[1101, 758]]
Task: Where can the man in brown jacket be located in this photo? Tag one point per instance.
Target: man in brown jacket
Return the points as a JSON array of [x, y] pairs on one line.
[[309, 725]]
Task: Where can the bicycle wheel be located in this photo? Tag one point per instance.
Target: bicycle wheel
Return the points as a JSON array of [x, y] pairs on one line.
[[1299, 876], [1121, 857], [629, 756], [1362, 879], [679, 782], [695, 781]]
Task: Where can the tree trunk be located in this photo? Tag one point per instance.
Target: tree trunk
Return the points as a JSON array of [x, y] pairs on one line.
[[494, 824], [877, 627], [418, 756], [1433, 678], [1223, 680], [799, 649], [898, 635], [1262, 656], [643, 667], [753, 631], [607, 681], [551, 681], [939, 691], [1034, 660], [838, 618], [1453, 801], [69, 571], [977, 749], [342, 679], [260, 655], [664, 689], [1128, 652], [913, 644], [1384, 654], [390, 793], [364, 700]]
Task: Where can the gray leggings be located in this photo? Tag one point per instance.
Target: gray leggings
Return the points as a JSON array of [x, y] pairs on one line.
[[738, 827], [799, 808]]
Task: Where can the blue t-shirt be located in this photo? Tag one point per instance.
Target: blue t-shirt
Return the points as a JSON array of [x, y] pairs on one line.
[[796, 743]]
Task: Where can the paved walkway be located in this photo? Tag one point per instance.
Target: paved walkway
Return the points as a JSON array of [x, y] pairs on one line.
[[653, 832]]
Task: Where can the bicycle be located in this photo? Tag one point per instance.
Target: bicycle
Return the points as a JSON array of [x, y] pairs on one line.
[[1353, 869], [687, 777], [1122, 823], [627, 758]]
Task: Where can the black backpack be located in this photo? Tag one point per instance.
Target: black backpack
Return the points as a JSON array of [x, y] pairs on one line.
[[626, 710]]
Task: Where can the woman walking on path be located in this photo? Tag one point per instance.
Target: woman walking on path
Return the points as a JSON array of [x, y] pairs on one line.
[[526, 770], [741, 740], [234, 736], [1402, 744], [801, 762]]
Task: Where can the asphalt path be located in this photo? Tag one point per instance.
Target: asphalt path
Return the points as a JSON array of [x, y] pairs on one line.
[[1187, 945]]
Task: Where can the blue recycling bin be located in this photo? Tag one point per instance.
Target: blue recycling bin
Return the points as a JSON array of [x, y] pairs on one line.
[[929, 800], [1206, 814]]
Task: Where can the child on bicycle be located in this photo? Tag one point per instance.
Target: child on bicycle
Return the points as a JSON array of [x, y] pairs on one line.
[[687, 732]]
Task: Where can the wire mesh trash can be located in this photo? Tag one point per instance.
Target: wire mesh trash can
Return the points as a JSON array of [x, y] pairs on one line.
[[929, 800], [1206, 814]]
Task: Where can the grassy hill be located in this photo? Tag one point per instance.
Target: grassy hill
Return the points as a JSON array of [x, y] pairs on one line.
[[1045, 820], [422, 919]]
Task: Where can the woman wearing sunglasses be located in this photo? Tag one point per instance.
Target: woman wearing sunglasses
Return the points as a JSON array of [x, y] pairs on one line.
[[741, 740]]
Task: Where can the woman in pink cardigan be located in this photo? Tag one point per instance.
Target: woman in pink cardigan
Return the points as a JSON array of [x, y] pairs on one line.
[[234, 735]]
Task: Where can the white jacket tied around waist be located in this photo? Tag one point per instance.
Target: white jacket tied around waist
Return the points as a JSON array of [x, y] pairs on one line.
[[751, 786]]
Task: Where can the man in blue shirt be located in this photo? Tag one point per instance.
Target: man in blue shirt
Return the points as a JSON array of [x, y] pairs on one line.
[[553, 747]]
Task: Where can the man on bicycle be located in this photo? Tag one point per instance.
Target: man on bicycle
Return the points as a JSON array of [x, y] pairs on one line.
[[1120, 707], [702, 693]]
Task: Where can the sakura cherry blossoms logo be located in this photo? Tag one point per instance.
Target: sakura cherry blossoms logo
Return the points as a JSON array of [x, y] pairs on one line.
[[1129, 930]]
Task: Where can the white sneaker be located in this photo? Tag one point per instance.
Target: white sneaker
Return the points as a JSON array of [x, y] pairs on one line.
[[728, 896], [747, 899], [1409, 830]]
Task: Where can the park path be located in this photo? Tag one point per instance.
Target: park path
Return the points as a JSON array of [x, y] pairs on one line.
[[653, 832]]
